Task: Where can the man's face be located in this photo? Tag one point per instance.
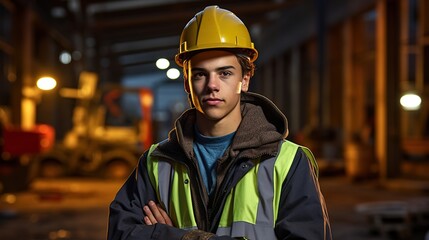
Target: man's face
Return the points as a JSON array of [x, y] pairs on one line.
[[215, 83]]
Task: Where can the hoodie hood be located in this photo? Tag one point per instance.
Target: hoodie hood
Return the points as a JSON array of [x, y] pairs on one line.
[[270, 111], [263, 125]]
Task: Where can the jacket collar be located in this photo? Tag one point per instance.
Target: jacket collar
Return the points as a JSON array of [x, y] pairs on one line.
[[252, 141]]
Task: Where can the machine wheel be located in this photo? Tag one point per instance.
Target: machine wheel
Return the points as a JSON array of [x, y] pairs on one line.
[[118, 164], [52, 169], [117, 169]]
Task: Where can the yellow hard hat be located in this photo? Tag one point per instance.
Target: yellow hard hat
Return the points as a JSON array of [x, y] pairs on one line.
[[213, 28]]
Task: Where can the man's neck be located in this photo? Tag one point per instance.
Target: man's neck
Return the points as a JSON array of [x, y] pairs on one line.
[[222, 127]]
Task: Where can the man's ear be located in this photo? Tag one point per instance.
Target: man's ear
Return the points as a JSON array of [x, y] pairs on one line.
[[245, 82]]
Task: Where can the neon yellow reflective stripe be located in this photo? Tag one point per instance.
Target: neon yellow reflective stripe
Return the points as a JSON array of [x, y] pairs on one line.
[[152, 167], [312, 159], [281, 169], [247, 210], [181, 201]]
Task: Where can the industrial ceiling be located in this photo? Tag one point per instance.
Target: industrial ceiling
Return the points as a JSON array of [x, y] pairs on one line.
[[128, 36]]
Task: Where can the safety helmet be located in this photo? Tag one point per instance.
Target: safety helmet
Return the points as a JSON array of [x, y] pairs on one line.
[[213, 28]]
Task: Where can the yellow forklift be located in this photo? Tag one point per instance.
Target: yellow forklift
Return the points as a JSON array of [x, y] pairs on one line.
[[103, 141]]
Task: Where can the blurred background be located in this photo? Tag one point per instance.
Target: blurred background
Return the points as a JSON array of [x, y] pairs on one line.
[[87, 85]]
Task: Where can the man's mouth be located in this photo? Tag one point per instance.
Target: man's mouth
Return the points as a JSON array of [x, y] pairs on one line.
[[212, 101]]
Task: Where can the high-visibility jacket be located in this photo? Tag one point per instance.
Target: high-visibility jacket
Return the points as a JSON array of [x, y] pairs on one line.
[[250, 210], [265, 186]]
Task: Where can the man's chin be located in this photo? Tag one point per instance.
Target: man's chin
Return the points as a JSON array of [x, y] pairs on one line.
[[212, 115]]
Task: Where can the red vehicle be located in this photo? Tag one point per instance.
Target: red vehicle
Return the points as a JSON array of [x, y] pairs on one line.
[[18, 149]]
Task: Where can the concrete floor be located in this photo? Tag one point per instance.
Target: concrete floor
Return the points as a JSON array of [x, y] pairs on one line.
[[77, 208]]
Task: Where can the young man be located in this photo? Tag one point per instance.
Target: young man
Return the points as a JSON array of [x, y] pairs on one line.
[[226, 170]]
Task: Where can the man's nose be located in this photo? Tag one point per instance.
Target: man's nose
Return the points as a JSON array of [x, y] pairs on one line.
[[213, 81]]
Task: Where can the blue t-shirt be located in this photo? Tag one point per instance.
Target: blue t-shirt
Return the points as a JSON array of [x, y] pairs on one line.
[[208, 150]]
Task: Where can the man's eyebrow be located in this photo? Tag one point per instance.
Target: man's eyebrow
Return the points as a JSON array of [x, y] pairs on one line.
[[217, 69], [225, 68], [195, 69]]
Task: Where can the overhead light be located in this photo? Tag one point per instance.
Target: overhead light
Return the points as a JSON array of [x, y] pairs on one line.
[[410, 101], [46, 83], [162, 63], [65, 57], [173, 73]]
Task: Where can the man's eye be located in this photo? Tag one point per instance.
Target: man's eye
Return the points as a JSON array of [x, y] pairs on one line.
[[198, 75], [225, 73]]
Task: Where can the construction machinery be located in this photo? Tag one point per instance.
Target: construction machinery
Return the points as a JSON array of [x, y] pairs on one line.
[[104, 141]]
